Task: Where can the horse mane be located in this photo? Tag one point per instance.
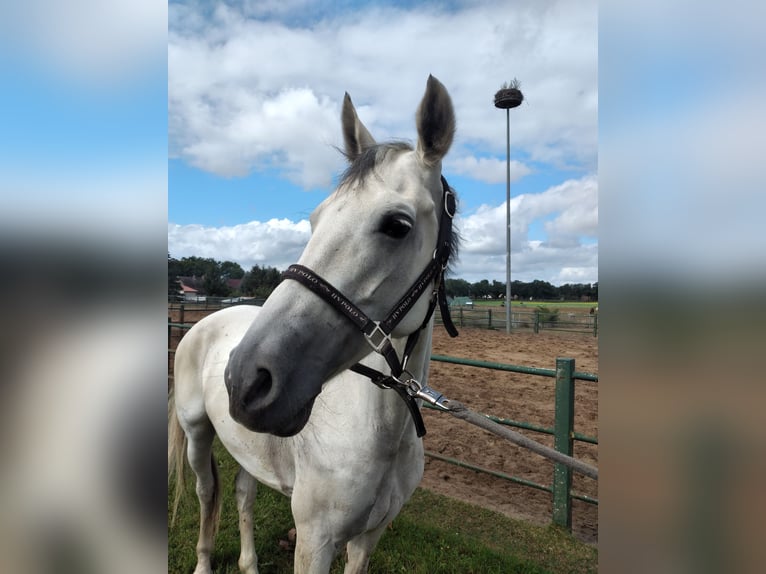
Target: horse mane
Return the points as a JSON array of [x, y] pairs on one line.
[[455, 236], [366, 162]]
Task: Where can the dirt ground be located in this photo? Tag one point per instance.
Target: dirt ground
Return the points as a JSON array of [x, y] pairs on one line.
[[519, 397]]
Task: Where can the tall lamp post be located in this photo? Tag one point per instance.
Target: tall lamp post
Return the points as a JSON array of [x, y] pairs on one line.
[[507, 97]]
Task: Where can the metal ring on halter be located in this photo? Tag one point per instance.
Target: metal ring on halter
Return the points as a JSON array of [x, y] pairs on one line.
[[448, 193]]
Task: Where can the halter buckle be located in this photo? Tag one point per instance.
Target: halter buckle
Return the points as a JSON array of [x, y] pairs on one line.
[[378, 338]]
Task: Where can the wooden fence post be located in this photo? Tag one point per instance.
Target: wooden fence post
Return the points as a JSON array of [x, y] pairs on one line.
[[563, 441]]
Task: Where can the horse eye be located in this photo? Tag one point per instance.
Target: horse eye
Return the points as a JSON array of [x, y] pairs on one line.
[[396, 226]]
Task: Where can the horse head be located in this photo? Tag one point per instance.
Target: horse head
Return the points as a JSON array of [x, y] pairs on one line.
[[371, 239]]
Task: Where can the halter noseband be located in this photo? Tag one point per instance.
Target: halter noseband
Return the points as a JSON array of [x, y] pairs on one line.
[[378, 333]]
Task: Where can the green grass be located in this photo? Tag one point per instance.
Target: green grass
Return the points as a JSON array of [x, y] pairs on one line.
[[432, 535]]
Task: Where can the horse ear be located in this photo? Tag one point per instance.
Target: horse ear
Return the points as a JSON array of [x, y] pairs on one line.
[[355, 135], [435, 120]]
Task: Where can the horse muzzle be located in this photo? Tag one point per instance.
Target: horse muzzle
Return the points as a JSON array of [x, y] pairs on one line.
[[258, 403]]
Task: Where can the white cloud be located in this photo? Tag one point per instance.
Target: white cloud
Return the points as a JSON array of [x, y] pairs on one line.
[[569, 212], [104, 43], [563, 257], [225, 70], [486, 169], [289, 130], [275, 243]]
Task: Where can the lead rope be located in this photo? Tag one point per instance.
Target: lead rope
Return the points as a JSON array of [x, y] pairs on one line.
[[410, 389], [460, 411]]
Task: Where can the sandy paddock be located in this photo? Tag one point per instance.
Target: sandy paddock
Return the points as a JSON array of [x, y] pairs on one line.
[[519, 397]]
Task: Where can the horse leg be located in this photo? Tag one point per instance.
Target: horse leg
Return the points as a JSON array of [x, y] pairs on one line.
[[315, 535], [360, 549], [313, 554], [246, 489], [200, 455]]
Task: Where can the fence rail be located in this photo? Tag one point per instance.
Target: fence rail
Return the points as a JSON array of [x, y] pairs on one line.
[[212, 303], [562, 431], [463, 316], [494, 318]]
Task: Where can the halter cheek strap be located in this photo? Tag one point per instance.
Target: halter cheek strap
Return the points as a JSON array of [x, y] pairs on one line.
[[378, 333]]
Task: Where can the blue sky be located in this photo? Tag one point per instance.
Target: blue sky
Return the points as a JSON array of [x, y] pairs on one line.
[[84, 120], [64, 123], [254, 96]]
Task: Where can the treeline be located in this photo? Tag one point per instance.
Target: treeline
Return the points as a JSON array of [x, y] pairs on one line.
[[220, 278], [229, 279], [537, 290]]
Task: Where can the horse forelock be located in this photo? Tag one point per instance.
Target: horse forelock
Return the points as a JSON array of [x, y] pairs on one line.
[[366, 162]]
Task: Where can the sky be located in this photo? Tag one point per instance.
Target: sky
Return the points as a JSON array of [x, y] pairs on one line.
[[254, 98], [84, 122]]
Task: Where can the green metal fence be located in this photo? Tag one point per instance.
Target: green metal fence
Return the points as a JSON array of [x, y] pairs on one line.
[[562, 431], [494, 318]]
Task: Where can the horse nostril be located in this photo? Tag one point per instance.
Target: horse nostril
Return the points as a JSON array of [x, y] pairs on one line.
[[258, 388]]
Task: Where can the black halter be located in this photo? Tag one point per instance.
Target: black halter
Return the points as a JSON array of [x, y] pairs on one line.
[[378, 333]]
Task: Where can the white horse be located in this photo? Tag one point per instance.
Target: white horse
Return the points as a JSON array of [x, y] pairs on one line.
[[274, 382]]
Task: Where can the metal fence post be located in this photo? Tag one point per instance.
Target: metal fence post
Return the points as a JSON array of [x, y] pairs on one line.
[[489, 318], [537, 322], [595, 325], [563, 441]]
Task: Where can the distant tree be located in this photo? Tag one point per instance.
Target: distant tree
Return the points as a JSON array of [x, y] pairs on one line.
[[457, 287], [521, 290], [480, 289], [232, 270], [207, 269], [198, 267], [215, 283], [542, 290], [260, 281], [497, 289], [174, 271]]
